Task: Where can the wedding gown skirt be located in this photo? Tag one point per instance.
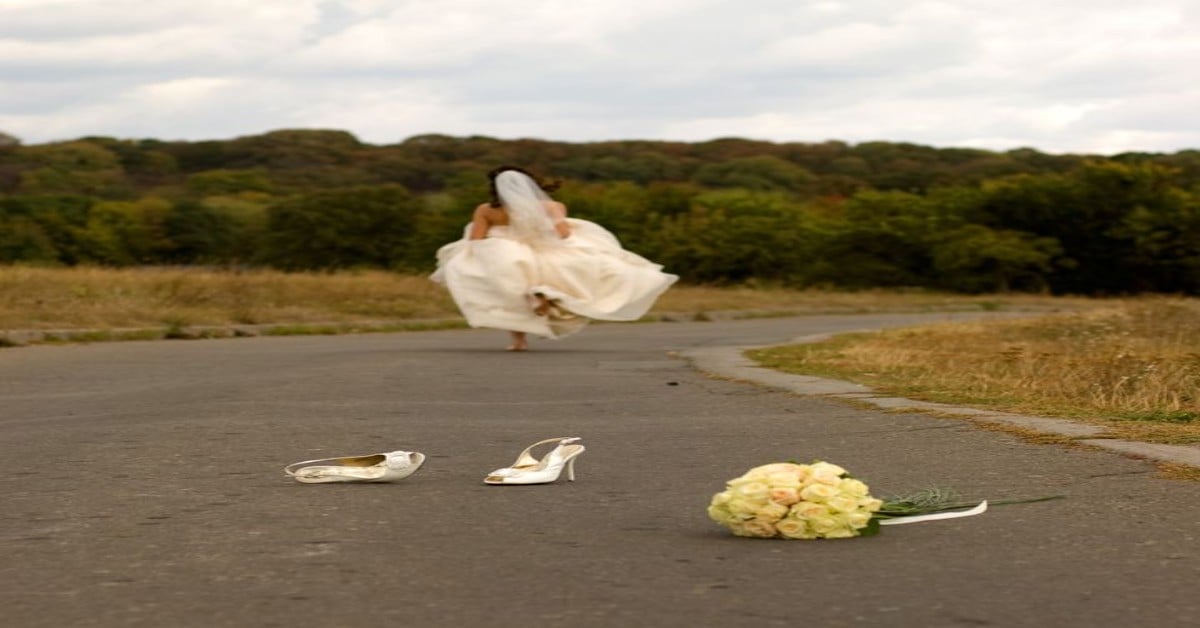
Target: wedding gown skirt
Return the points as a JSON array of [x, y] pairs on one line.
[[587, 275]]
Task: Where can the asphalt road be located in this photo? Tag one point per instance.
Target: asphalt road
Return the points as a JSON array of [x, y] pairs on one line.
[[142, 486]]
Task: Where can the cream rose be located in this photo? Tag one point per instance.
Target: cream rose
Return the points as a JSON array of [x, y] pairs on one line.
[[858, 519], [778, 467], [825, 473], [871, 504], [786, 495], [771, 512], [841, 533], [721, 515], [818, 492], [824, 525], [822, 468], [745, 479], [843, 503], [809, 510], [851, 486], [756, 528], [795, 529], [752, 490], [739, 506]]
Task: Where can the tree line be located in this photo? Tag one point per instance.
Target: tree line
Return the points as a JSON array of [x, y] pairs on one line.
[[830, 214]]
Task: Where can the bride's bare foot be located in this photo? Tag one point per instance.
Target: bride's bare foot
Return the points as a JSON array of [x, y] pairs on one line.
[[543, 306], [518, 342]]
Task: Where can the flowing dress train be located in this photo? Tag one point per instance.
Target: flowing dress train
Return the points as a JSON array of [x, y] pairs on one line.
[[587, 276]]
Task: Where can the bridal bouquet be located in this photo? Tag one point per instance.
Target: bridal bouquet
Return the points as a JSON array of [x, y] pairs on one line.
[[795, 501], [818, 501]]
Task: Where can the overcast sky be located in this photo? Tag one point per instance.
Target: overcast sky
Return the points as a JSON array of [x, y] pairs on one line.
[[1096, 76]]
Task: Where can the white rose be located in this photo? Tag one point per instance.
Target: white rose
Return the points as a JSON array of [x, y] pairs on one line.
[[795, 529], [777, 467], [851, 486], [756, 491], [825, 525], [784, 479], [825, 476], [871, 504], [785, 496], [841, 533], [747, 507], [858, 519], [744, 479], [809, 510], [843, 503], [754, 528], [771, 512], [827, 467], [818, 492], [721, 515]]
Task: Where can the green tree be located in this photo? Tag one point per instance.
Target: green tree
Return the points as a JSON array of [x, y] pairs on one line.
[[60, 218], [198, 234], [123, 233], [762, 173], [246, 217], [141, 160], [975, 258], [620, 207], [734, 236], [1096, 213], [218, 182], [71, 167], [1166, 245], [880, 240], [23, 240], [442, 219], [342, 228]]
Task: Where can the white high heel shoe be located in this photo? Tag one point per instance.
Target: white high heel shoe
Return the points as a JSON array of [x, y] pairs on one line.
[[529, 470], [393, 465]]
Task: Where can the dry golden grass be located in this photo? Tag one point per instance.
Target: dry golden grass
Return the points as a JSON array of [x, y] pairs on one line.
[[1133, 365], [101, 298], [1172, 471]]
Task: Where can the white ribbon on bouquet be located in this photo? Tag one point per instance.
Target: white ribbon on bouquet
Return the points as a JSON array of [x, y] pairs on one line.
[[895, 521]]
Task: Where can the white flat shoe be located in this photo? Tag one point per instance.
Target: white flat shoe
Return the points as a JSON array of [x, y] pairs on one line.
[[529, 470], [386, 467]]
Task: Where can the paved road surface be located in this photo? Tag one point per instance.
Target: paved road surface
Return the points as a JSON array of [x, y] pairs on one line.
[[142, 487]]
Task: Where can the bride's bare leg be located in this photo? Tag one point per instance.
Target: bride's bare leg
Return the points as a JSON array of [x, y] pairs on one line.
[[518, 341]]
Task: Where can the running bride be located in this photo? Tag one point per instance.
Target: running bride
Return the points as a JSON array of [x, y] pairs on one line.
[[525, 267]]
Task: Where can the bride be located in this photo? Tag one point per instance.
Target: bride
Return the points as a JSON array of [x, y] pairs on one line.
[[525, 267]]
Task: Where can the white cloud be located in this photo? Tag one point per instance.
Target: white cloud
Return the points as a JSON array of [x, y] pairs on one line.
[[1102, 75], [433, 35], [182, 93]]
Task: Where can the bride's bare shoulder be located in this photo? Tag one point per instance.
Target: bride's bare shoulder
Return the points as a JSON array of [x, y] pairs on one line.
[[491, 215]]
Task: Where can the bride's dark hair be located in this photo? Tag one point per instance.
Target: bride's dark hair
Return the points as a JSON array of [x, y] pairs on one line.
[[547, 186]]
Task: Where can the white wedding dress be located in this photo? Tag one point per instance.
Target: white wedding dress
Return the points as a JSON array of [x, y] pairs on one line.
[[496, 281]]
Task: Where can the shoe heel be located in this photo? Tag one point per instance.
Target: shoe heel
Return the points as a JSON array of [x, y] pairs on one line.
[[571, 469]]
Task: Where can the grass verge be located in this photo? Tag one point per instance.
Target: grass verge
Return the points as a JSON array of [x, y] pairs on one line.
[[1132, 366], [175, 299]]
